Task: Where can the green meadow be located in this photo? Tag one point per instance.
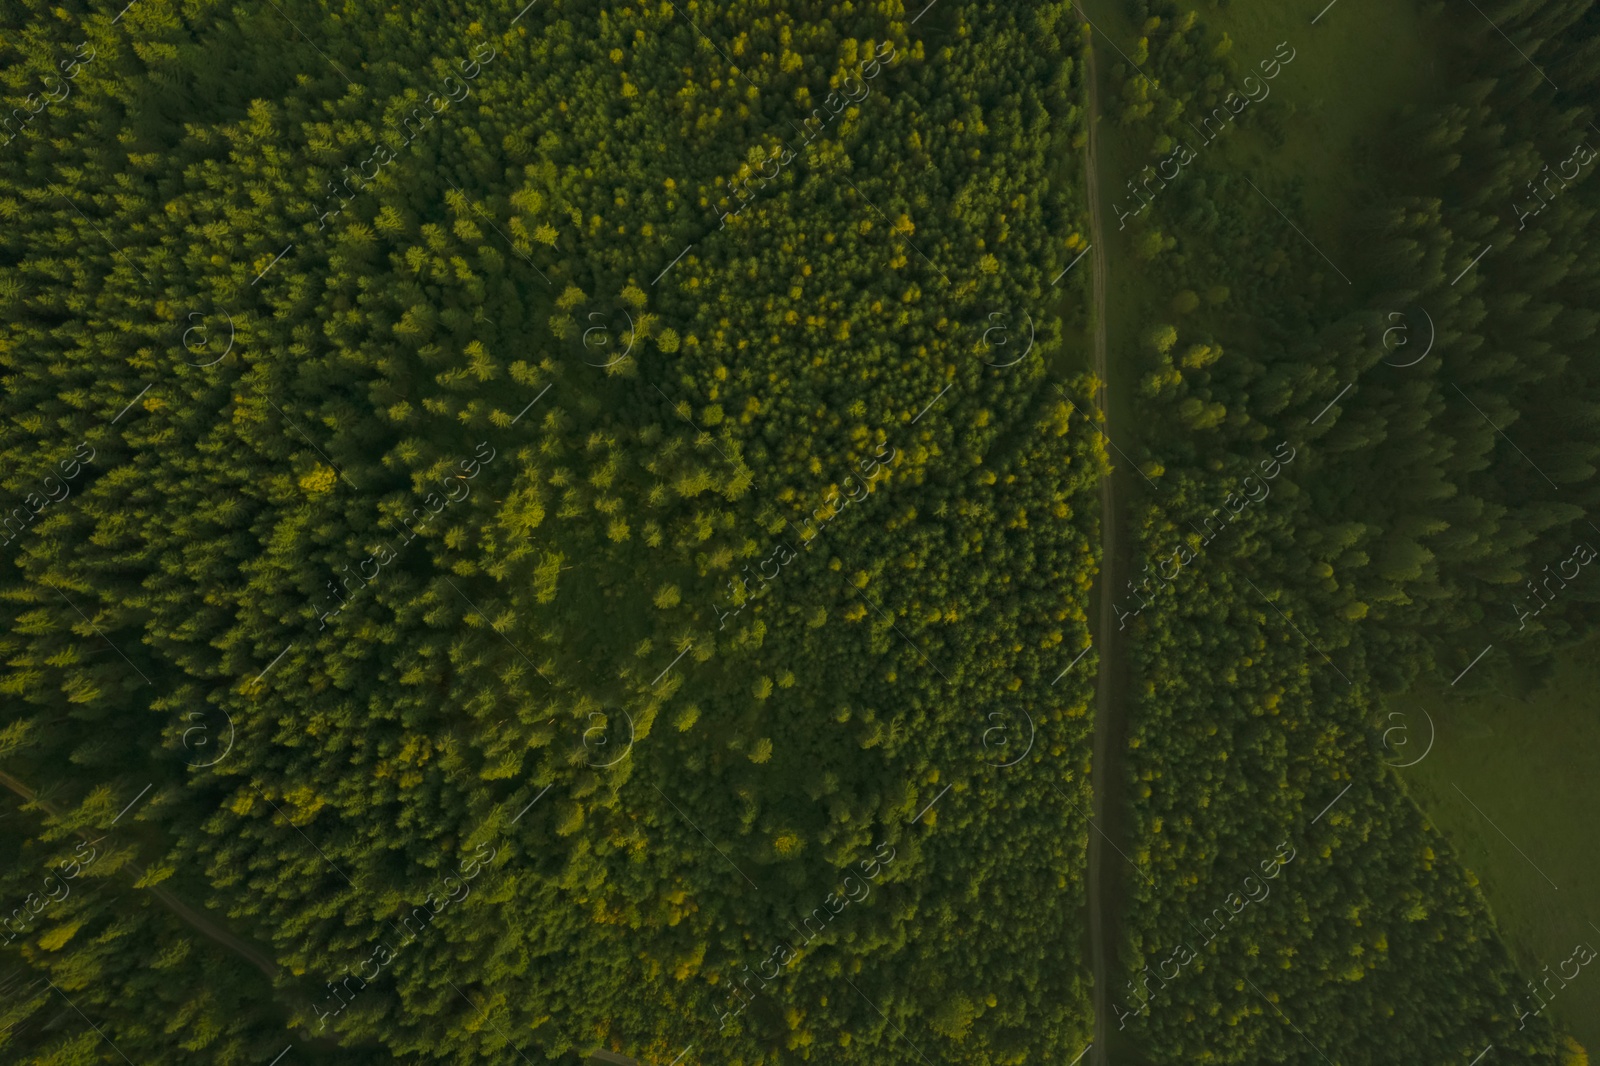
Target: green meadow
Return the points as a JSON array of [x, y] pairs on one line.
[[1360, 61], [1511, 782]]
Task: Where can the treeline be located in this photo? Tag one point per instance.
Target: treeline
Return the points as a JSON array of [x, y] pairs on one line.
[[438, 418], [1444, 429]]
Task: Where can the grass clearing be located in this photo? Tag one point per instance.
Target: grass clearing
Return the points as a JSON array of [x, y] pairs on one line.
[[1361, 61], [1530, 766]]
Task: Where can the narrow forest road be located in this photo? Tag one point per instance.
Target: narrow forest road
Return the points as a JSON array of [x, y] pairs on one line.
[[195, 919], [1106, 703]]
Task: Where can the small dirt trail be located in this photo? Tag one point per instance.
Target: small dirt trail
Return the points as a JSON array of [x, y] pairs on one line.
[[1106, 702], [195, 919]]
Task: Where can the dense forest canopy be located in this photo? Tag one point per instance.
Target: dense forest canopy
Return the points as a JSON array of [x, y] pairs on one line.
[[1343, 497], [543, 528], [560, 518]]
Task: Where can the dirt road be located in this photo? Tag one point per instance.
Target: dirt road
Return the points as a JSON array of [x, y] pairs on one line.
[[1105, 702], [193, 918]]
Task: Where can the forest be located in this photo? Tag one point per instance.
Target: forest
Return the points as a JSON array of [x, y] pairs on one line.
[[517, 506], [1430, 504], [544, 529]]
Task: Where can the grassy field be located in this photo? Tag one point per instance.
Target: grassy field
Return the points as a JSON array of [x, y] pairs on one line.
[[1511, 783], [1350, 72], [1360, 61]]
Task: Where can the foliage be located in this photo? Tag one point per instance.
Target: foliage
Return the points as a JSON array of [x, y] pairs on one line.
[[439, 422], [1426, 499]]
